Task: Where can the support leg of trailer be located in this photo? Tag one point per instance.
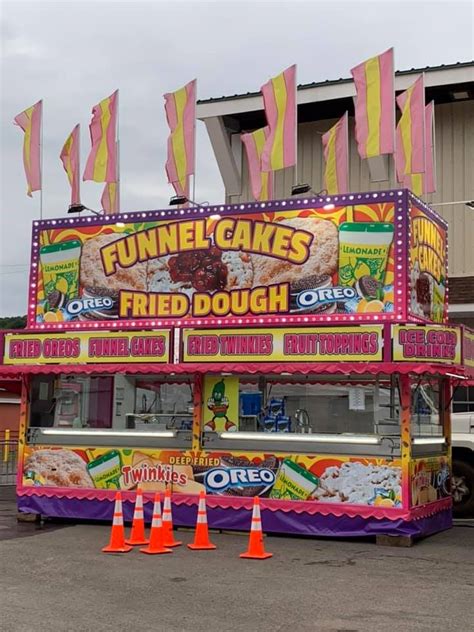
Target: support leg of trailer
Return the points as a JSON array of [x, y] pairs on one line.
[[395, 540]]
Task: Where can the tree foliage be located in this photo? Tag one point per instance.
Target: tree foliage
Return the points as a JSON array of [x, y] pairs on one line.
[[13, 322]]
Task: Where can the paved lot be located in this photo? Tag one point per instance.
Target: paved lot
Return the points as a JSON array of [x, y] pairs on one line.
[[55, 579]]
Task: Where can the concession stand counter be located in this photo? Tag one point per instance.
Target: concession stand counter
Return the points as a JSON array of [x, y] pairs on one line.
[[297, 350]]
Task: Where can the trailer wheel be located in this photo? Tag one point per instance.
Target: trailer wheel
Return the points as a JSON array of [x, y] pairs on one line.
[[462, 489]]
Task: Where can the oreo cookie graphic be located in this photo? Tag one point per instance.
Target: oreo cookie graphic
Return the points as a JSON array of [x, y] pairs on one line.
[[370, 288], [56, 299], [307, 284], [95, 304]]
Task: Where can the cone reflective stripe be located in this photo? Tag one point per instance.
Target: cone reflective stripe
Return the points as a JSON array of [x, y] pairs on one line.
[[156, 534], [168, 536], [201, 536], [117, 537], [256, 550], [137, 535]]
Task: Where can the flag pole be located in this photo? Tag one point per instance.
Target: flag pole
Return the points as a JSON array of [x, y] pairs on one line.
[[78, 163], [194, 144], [41, 162], [296, 128], [118, 153]]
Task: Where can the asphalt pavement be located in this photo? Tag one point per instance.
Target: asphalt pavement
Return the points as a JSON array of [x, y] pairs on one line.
[[55, 579]]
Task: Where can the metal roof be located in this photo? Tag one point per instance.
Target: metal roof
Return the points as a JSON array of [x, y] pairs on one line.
[[329, 82]]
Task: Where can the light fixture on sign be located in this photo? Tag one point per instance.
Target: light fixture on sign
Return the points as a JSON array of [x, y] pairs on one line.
[[78, 208], [179, 200]]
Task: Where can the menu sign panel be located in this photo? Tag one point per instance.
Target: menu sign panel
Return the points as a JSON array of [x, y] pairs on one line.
[[311, 261], [311, 344], [428, 269], [89, 348], [468, 347], [415, 343]]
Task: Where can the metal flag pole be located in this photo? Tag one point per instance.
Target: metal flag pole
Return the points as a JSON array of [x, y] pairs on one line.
[[194, 144], [41, 162], [78, 163], [296, 128], [118, 154]]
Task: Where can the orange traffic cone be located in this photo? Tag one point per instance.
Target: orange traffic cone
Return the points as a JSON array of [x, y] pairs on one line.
[[256, 550], [117, 536], [156, 533], [201, 536], [168, 536], [137, 534]]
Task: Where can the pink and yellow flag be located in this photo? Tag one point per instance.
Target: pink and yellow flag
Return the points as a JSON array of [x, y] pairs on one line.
[[336, 156], [410, 153], [30, 123], [279, 99], [421, 183], [375, 105], [109, 199], [261, 182], [180, 109], [101, 165], [70, 158]]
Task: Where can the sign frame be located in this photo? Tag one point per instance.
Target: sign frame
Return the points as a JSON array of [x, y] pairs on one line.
[[395, 199]]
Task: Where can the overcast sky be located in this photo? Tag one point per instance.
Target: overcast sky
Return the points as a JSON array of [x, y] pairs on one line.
[[73, 54]]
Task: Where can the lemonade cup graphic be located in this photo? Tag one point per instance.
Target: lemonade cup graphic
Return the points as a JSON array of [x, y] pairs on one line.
[[363, 250], [60, 267]]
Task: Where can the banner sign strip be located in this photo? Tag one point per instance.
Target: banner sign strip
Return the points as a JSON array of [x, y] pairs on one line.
[[311, 344], [420, 343], [88, 348]]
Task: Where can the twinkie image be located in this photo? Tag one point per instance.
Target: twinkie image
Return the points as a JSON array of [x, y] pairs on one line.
[[311, 261]]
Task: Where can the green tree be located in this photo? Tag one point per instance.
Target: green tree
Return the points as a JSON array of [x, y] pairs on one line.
[[13, 322]]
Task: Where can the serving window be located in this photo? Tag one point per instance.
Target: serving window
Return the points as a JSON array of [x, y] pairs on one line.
[[270, 408], [68, 407]]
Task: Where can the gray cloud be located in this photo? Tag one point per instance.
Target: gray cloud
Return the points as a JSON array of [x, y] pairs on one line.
[[72, 54]]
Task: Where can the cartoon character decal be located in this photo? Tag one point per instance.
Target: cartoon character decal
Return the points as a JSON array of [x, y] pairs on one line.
[[218, 404]]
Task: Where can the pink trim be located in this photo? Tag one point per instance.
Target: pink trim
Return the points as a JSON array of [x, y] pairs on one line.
[[250, 368], [387, 102], [232, 502], [360, 108]]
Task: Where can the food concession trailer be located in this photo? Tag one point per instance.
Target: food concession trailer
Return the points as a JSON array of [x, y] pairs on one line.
[[297, 350]]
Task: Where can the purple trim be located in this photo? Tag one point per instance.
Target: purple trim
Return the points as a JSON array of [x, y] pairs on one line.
[[295, 204], [387, 342], [239, 519]]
